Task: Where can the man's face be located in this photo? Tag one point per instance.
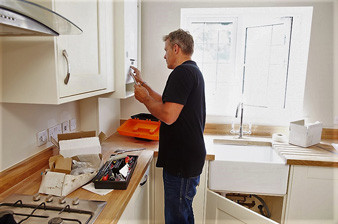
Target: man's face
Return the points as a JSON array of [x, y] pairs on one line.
[[169, 55]]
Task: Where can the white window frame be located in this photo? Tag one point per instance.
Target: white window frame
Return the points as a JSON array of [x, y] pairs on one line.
[[302, 18]]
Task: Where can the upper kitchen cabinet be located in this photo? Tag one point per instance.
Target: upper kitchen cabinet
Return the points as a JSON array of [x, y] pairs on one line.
[[65, 68], [127, 48]]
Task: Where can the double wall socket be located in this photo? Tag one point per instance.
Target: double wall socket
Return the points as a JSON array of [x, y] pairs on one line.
[[65, 127], [54, 131]]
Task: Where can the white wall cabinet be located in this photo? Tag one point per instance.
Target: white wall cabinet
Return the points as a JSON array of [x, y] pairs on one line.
[[127, 47], [35, 68], [137, 210], [312, 195]]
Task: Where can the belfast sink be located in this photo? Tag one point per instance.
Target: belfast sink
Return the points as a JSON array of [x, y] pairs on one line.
[[246, 166]]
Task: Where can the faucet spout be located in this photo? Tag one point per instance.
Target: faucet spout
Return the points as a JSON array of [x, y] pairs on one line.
[[240, 132], [241, 123], [236, 115]]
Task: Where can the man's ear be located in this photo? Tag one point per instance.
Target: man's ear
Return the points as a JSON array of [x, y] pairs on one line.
[[176, 48]]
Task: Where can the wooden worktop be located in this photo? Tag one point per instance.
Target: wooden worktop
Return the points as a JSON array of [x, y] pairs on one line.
[[322, 154], [117, 200]]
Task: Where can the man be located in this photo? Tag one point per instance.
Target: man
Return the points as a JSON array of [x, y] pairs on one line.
[[181, 109]]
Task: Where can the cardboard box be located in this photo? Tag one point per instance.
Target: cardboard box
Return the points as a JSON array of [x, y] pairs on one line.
[[305, 135], [60, 164], [56, 180], [79, 143]]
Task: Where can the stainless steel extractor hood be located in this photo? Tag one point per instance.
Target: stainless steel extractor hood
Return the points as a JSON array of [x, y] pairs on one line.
[[24, 18]]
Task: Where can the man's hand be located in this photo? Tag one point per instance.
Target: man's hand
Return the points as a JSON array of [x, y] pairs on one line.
[[141, 93], [138, 75]]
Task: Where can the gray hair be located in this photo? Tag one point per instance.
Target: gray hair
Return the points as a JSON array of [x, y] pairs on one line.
[[183, 39]]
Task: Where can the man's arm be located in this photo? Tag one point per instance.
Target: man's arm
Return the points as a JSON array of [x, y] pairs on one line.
[[156, 96], [167, 112]]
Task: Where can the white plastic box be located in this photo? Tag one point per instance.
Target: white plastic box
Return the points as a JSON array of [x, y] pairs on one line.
[[305, 135]]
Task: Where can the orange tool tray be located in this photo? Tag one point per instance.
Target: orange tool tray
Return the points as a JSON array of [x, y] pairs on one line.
[[145, 129]]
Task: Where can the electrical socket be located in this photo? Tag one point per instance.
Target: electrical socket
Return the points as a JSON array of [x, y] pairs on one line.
[[65, 127], [335, 120], [54, 131], [42, 137], [73, 124]]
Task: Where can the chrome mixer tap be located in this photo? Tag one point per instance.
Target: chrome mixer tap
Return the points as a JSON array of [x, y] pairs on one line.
[[240, 106]]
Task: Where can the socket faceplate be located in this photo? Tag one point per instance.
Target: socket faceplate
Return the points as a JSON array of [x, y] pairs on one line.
[[335, 121], [73, 124], [42, 137], [65, 127], [54, 131]]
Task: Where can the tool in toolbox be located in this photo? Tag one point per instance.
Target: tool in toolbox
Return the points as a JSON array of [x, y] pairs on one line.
[[120, 151]]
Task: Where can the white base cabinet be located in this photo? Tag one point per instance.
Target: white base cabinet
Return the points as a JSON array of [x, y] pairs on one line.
[[137, 210], [312, 198], [312, 195]]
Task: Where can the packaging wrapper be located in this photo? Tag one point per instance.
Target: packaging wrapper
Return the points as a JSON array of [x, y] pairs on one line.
[[62, 184]]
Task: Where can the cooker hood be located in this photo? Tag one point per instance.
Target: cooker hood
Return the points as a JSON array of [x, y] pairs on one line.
[[23, 18]]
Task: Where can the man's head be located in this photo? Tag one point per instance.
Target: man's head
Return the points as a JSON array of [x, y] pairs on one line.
[[179, 47]]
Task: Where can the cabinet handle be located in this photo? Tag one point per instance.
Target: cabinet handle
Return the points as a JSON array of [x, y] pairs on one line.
[[145, 181], [64, 53]]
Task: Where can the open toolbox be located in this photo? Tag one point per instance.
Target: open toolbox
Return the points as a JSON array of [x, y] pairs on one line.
[[144, 126], [116, 172]]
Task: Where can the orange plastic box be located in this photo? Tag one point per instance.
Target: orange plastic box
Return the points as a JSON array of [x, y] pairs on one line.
[[145, 129]]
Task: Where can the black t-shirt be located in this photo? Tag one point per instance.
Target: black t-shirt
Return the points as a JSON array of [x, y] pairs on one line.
[[181, 144]]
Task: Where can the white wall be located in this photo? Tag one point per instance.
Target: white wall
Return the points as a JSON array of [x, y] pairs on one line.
[[161, 17], [100, 114], [335, 61], [21, 122]]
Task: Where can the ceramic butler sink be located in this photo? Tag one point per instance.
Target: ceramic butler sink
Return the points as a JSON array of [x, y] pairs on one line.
[[247, 167]]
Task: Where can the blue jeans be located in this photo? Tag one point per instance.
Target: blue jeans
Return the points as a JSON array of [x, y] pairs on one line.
[[178, 195]]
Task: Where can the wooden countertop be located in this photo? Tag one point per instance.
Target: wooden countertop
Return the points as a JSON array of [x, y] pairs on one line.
[[322, 154], [117, 200]]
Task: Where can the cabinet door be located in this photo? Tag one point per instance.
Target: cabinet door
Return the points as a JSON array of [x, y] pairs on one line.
[[137, 210], [223, 210], [312, 195], [86, 52]]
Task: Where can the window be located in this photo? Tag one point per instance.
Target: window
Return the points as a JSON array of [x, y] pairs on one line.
[[250, 58], [214, 54], [265, 75]]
